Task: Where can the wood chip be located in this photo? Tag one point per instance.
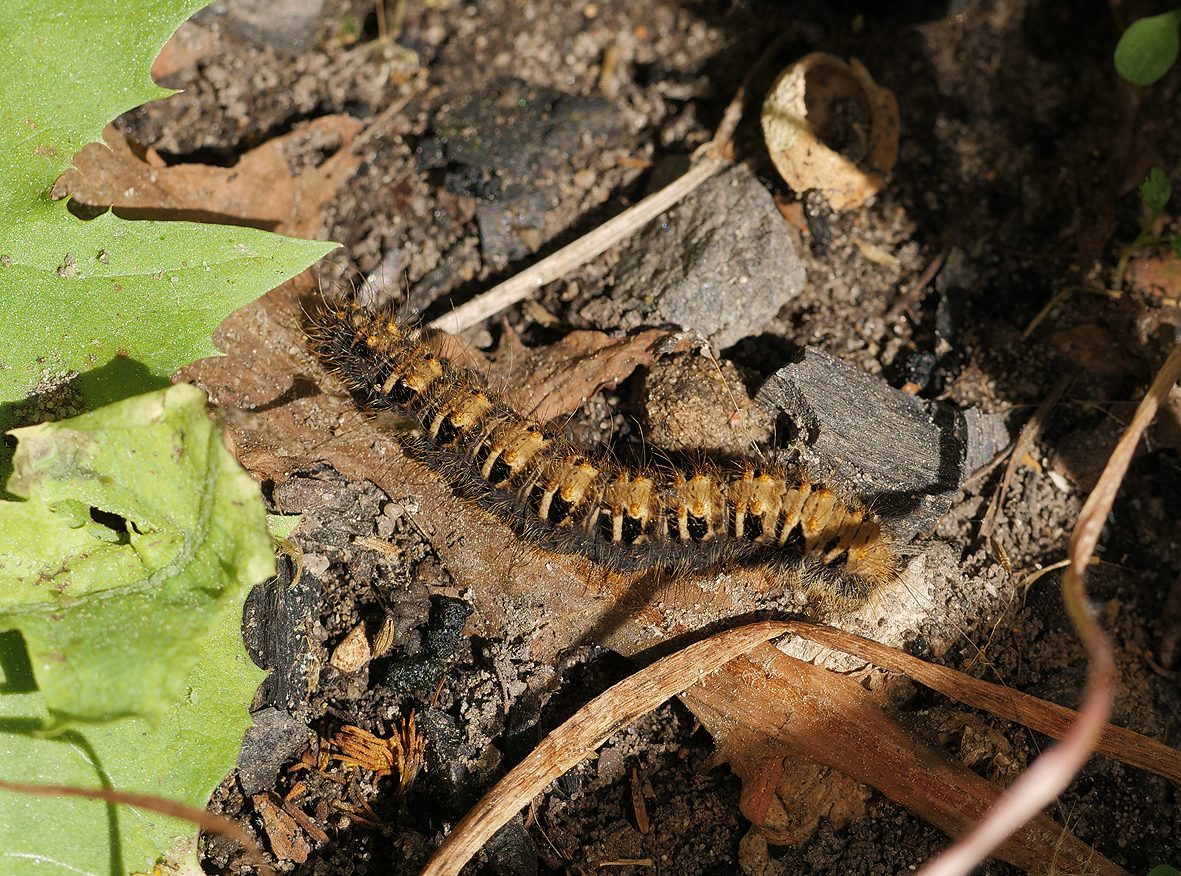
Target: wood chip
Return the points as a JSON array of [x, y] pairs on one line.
[[353, 653], [286, 838]]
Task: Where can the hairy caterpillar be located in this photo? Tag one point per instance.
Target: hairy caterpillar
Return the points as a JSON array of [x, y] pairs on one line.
[[626, 518]]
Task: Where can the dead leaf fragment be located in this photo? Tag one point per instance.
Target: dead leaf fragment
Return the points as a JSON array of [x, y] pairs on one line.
[[263, 190], [286, 838], [353, 652], [555, 381], [828, 126]]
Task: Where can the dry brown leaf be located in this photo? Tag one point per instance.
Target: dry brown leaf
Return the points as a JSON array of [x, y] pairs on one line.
[[809, 106], [286, 837], [555, 381], [268, 188], [356, 746], [795, 708]]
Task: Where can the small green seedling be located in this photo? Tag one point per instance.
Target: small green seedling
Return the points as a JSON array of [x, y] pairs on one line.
[[1155, 192], [1148, 48]]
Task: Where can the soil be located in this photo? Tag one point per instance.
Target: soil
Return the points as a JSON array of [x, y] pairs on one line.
[[496, 131]]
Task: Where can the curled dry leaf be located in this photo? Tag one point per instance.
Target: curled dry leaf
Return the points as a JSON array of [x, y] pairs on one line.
[[792, 708], [280, 186], [828, 126]]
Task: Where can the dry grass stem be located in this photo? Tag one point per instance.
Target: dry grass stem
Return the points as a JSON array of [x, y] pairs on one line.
[[585, 731], [207, 821], [1052, 719], [1054, 770], [581, 251]]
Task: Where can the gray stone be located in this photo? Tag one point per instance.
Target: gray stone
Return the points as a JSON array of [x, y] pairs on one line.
[[722, 263], [290, 27], [274, 739]]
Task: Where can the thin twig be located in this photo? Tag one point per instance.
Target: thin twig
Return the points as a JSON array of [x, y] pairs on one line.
[[578, 253], [206, 821], [1054, 770]]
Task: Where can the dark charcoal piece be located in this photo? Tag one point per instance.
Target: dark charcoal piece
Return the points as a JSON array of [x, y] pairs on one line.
[[445, 631], [274, 626], [511, 851], [506, 145], [904, 456]]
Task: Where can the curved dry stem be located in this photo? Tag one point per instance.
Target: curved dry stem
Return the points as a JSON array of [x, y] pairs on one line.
[[1054, 770], [1054, 720], [586, 730], [206, 821]]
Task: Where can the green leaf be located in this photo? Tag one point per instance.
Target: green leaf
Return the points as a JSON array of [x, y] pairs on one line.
[[1148, 48], [182, 756], [123, 304], [1155, 190], [282, 525], [1164, 870], [1175, 244], [128, 302], [138, 533], [67, 70]]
